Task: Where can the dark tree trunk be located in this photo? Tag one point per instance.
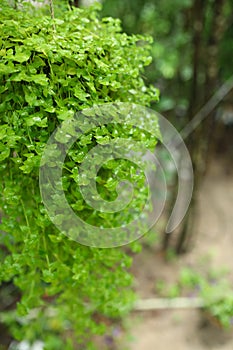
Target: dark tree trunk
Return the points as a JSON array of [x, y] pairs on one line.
[[205, 53], [205, 64], [74, 3]]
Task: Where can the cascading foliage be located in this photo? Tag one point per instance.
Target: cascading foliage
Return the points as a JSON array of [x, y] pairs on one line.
[[47, 75]]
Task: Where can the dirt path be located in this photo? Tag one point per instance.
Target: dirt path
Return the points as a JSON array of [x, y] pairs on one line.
[[184, 329]]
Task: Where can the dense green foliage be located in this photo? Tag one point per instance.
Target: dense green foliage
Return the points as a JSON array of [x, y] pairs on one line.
[[46, 75], [171, 49]]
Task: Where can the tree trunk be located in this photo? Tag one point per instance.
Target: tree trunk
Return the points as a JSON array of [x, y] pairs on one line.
[[74, 3], [200, 140]]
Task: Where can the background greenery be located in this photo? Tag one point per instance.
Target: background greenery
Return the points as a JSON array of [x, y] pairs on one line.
[[191, 52]]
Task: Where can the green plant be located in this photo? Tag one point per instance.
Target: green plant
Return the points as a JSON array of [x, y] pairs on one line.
[[46, 76], [213, 287], [215, 290], [218, 300]]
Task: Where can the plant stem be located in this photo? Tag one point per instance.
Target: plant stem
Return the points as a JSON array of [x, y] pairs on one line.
[[52, 13]]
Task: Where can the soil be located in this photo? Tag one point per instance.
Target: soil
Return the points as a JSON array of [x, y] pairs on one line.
[[187, 329]]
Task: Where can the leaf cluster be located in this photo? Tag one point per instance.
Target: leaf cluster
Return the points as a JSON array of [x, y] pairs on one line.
[[46, 76]]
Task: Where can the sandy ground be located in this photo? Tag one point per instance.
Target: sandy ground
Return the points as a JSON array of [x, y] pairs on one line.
[[185, 329]]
